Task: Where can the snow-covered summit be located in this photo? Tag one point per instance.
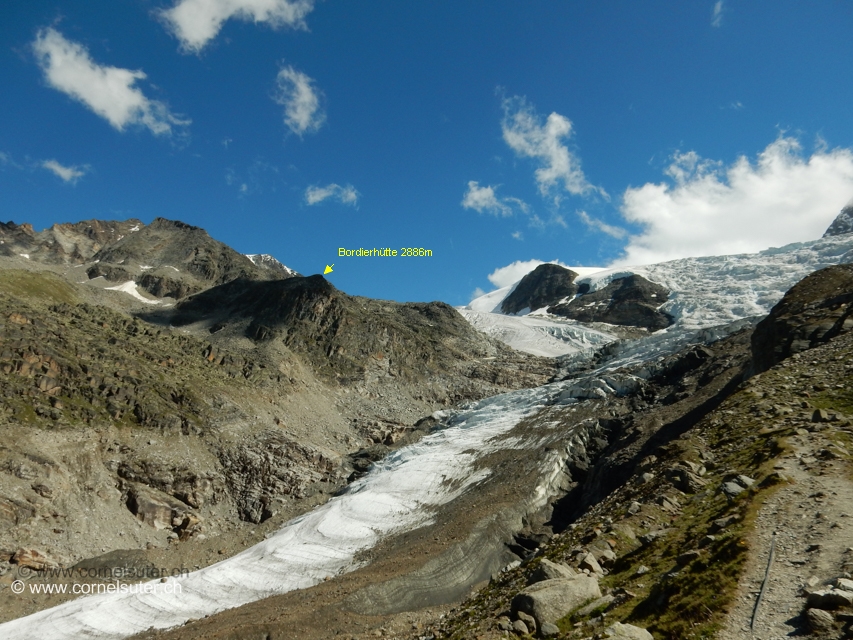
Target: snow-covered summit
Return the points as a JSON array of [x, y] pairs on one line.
[[266, 261], [842, 224]]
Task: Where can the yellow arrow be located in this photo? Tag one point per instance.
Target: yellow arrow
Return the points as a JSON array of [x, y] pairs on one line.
[[328, 268]]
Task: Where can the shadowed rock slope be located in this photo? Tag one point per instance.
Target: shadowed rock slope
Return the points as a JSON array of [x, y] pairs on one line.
[[353, 340]]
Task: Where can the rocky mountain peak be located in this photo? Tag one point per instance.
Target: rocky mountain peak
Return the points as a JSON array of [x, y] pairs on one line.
[[842, 224], [547, 284]]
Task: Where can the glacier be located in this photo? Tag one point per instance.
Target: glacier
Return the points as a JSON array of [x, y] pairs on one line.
[[710, 298]]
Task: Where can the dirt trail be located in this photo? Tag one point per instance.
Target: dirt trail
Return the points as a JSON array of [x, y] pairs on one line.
[[813, 522]]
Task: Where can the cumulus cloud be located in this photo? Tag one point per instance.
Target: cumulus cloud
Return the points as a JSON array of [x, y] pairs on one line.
[[68, 174], [717, 14], [110, 92], [484, 199], [196, 22], [530, 137], [517, 235], [295, 92], [344, 195], [708, 208], [598, 225]]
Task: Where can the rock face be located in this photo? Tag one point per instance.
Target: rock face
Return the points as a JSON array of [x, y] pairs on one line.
[[815, 310], [546, 285], [842, 224], [631, 301], [550, 600], [351, 339], [63, 243]]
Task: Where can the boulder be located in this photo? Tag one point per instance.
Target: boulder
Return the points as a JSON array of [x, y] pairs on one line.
[[820, 620], [830, 599], [620, 631], [548, 570], [528, 621], [589, 563], [549, 630], [550, 600]]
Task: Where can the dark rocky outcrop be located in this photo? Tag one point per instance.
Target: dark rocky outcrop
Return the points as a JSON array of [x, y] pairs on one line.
[[815, 310], [842, 224], [632, 301], [546, 285], [351, 339]]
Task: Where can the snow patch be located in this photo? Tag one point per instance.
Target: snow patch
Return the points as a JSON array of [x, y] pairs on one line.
[[25, 255], [130, 287]]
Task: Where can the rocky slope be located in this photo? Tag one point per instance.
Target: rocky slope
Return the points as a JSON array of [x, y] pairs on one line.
[[163, 445]]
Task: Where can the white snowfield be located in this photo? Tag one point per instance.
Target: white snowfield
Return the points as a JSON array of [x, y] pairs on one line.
[[548, 336], [403, 490], [704, 292], [130, 288]]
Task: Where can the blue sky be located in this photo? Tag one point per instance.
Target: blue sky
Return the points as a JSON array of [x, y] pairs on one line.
[[491, 132]]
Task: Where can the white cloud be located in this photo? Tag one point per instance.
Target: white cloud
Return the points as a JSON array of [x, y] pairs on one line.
[[196, 22], [484, 199], [517, 235], [529, 137], [68, 174], [712, 209], [598, 225], [717, 14], [344, 195], [302, 110], [108, 91]]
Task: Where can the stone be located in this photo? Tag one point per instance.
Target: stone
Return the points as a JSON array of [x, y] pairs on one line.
[[745, 481], [528, 621], [589, 563], [634, 508], [547, 570], [504, 623], [844, 583], [687, 557], [648, 538], [550, 600], [605, 557], [619, 631], [820, 415], [820, 620], [731, 489], [706, 540], [33, 559], [519, 627], [684, 479], [549, 630], [595, 604], [830, 599], [642, 570], [721, 523]]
